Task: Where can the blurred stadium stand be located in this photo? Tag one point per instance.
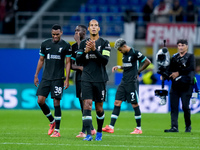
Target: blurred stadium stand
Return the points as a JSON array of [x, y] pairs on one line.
[[110, 14]]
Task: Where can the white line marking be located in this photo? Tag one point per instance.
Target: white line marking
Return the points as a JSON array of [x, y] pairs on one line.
[[151, 136], [92, 145]]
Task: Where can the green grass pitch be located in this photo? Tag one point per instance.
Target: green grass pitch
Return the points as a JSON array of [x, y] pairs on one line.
[[27, 130]]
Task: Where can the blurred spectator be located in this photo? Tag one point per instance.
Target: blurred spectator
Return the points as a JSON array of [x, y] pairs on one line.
[[161, 12], [2, 13], [129, 16], [148, 76], [197, 70], [177, 11], [191, 11], [148, 10], [9, 20], [29, 5]]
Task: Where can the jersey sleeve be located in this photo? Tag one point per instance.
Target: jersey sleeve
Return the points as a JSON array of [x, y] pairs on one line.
[[140, 56], [74, 50], [107, 49], [69, 50], [42, 50], [80, 55]]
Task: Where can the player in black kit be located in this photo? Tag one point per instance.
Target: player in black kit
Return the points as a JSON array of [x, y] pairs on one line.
[[94, 54], [80, 33], [54, 52], [128, 88]]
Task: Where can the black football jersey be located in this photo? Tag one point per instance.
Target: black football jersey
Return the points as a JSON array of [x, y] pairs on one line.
[[131, 61], [74, 52], [94, 64], [54, 54]]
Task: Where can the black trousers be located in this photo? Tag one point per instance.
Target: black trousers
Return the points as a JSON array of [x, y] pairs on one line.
[[185, 95]]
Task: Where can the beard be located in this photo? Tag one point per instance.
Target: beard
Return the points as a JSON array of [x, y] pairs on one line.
[[94, 34]]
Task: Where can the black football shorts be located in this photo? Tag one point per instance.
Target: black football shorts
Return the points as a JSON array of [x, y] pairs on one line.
[[53, 86], [127, 92], [78, 89], [93, 90]]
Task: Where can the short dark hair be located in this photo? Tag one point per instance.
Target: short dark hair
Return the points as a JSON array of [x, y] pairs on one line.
[[83, 26], [182, 41], [56, 27]]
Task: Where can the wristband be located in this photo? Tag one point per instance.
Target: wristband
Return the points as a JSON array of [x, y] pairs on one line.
[[119, 67]]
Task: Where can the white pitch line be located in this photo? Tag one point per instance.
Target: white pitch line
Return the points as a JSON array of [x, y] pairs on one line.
[[92, 145], [151, 136]]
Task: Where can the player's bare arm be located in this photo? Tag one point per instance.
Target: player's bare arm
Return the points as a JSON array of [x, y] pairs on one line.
[[39, 67], [116, 67], [145, 65], [66, 83]]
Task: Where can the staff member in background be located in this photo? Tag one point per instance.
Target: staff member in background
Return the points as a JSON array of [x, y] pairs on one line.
[[182, 68]]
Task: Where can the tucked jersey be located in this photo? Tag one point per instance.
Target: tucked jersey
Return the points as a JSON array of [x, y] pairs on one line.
[[94, 62], [54, 54], [74, 52], [130, 65]]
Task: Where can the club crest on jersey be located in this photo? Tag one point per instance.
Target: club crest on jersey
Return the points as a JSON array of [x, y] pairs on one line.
[[99, 48], [60, 49], [129, 58]]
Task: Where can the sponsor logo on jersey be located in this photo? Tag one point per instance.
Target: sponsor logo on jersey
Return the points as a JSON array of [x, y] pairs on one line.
[[92, 56], [139, 54], [48, 48], [53, 56], [127, 64]]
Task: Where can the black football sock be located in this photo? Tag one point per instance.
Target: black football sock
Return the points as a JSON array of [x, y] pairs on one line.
[[46, 111], [114, 116], [100, 120], [57, 117], [138, 116], [87, 121]]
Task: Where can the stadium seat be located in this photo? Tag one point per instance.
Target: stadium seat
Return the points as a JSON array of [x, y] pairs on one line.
[[87, 18], [123, 2], [101, 2], [109, 19], [114, 9], [68, 29], [103, 9], [91, 2], [112, 2], [83, 8], [196, 2], [75, 18], [134, 2], [98, 18], [92, 8], [118, 19]]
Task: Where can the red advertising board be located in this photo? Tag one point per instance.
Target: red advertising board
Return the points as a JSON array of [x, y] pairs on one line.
[[171, 33]]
